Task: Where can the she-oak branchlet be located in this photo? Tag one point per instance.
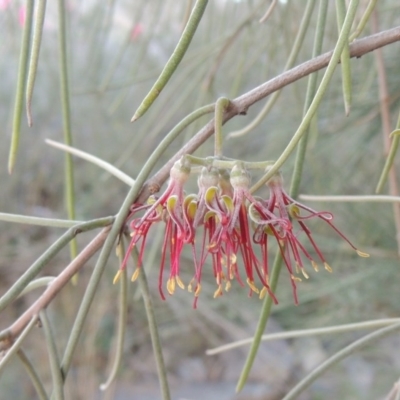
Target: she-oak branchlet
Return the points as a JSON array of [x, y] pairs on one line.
[[224, 223]]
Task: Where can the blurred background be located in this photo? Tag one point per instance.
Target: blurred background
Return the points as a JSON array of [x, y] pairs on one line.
[[116, 50]]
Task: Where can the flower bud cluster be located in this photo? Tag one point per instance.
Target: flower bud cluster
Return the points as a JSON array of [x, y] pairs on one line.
[[224, 223]]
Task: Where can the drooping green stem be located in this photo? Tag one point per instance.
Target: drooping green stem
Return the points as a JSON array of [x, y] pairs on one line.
[[30, 369], [19, 96], [302, 129], [122, 315], [340, 355], [53, 357], [66, 113], [344, 58], [175, 59], [155, 337], [34, 59], [48, 255], [220, 106]]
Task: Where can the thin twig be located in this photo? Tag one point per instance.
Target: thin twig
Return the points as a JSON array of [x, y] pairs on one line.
[[306, 332], [94, 160], [268, 12]]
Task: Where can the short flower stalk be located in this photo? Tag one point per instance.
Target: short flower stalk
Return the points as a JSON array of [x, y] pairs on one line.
[[228, 230]]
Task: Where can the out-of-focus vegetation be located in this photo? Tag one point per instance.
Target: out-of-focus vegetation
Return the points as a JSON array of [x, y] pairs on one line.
[[116, 50]]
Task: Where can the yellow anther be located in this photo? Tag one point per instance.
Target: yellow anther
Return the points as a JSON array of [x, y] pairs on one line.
[[117, 276], [362, 254], [233, 259], [218, 292], [315, 266], [179, 282], [190, 286], [135, 275], [227, 286], [327, 267], [295, 278], [263, 292], [252, 286], [198, 290], [304, 273], [171, 285]]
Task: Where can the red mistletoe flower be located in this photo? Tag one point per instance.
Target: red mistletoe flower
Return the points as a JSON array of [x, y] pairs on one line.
[[226, 226], [167, 208], [221, 210], [275, 216]]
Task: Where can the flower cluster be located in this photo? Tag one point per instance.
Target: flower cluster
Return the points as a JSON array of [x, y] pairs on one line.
[[225, 223]]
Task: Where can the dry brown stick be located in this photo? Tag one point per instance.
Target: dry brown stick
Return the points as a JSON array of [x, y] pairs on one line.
[[8, 335], [240, 105]]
